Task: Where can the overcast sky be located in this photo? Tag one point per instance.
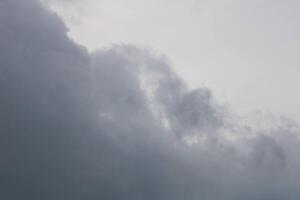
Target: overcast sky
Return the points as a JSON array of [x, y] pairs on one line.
[[245, 51], [120, 123]]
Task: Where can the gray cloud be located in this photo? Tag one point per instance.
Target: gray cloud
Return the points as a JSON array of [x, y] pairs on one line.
[[119, 124]]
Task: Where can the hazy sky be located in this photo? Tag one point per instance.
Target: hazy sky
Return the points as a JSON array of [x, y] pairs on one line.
[[120, 123], [245, 51]]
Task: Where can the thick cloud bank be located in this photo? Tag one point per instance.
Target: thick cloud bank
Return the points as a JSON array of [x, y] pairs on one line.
[[119, 124]]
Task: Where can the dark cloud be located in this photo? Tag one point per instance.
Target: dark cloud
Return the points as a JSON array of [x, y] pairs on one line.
[[119, 124]]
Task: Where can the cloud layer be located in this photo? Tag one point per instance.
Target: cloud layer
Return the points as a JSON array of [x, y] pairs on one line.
[[119, 124]]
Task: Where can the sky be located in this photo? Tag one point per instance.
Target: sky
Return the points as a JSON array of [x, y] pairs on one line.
[[244, 51], [121, 122]]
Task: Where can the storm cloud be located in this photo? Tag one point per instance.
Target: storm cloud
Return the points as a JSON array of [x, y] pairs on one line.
[[118, 123]]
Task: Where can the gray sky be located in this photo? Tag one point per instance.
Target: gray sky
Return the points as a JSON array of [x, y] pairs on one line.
[[119, 123], [246, 51]]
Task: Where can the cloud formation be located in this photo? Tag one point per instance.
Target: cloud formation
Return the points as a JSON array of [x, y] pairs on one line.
[[120, 124]]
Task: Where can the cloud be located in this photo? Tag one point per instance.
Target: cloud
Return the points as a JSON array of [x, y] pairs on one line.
[[120, 124]]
